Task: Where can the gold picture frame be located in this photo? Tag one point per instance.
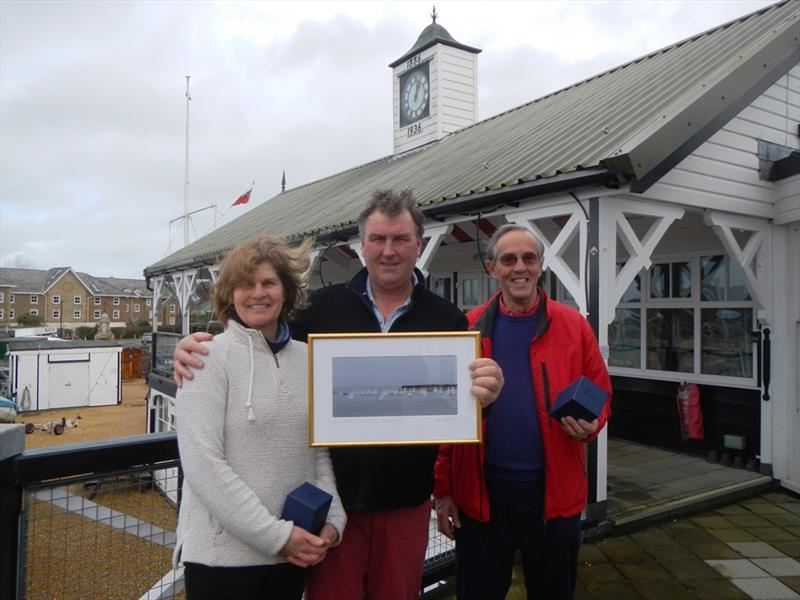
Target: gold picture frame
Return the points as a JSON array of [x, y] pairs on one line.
[[391, 389]]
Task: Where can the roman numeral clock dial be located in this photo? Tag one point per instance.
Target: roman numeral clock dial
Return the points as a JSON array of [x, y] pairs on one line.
[[415, 95]]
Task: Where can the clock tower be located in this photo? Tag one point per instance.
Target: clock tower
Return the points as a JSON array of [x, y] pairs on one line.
[[435, 88]]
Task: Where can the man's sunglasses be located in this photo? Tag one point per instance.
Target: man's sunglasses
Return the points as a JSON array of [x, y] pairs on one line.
[[509, 260]]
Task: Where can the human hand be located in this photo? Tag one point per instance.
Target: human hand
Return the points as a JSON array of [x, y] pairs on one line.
[[183, 356], [447, 516], [578, 429], [329, 534], [487, 380], [304, 549]]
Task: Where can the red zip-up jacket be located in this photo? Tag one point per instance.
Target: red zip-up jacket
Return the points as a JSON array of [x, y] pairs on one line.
[[563, 348]]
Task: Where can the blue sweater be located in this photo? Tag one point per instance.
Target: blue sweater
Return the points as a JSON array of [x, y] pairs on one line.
[[513, 441]]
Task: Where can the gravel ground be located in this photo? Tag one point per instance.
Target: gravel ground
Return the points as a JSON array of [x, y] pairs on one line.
[[96, 422]]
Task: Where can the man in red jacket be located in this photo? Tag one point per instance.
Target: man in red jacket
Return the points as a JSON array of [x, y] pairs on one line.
[[525, 486]]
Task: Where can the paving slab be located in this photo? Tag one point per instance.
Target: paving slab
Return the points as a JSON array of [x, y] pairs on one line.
[[692, 569], [733, 535], [663, 590], [765, 589], [737, 568], [756, 550], [779, 567]]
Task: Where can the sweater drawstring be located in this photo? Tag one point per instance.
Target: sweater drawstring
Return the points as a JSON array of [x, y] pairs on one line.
[[251, 415]]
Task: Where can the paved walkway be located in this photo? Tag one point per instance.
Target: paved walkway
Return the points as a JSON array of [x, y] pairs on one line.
[[747, 549], [682, 528]]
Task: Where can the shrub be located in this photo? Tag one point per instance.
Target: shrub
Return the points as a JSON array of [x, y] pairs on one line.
[[29, 320], [85, 333]]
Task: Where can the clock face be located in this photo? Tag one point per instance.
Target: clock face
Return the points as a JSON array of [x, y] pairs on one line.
[[414, 95]]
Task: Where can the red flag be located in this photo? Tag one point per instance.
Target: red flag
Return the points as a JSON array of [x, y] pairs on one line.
[[244, 198]]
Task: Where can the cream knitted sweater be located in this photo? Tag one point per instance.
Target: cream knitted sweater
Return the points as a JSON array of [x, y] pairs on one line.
[[243, 439]]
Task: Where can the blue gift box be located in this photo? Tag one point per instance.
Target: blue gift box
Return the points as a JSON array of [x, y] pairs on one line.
[[308, 507], [581, 399]]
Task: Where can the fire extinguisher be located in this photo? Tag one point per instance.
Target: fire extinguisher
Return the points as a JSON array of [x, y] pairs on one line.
[[690, 413]]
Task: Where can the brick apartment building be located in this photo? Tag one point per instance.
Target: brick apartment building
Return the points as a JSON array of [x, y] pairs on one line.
[[67, 298]]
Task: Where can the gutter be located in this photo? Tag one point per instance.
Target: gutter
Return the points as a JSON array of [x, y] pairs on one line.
[[508, 195]]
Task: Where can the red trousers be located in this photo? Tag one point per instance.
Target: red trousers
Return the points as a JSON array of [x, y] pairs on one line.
[[380, 557]]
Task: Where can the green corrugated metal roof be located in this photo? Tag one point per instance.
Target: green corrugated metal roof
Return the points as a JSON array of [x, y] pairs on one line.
[[636, 118]]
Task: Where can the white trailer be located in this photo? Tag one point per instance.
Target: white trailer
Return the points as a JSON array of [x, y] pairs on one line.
[[46, 375]]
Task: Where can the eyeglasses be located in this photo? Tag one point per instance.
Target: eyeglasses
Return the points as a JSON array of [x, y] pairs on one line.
[[509, 260]]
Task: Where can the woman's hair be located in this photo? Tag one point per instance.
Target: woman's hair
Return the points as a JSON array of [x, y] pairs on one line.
[[239, 266]]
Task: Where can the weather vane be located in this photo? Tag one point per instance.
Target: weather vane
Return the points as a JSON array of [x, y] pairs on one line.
[[434, 14]]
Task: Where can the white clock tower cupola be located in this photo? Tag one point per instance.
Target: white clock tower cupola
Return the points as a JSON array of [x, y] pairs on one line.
[[435, 88]]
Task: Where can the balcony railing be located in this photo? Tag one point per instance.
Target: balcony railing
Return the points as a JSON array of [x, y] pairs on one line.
[[98, 520]]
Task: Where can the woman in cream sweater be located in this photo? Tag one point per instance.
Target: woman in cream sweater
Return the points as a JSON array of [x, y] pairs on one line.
[[242, 433]]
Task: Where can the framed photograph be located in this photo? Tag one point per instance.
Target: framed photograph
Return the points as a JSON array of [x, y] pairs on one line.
[[372, 389]]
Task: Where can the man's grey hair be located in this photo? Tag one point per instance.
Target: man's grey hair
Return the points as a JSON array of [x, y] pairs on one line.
[[392, 204], [504, 229]]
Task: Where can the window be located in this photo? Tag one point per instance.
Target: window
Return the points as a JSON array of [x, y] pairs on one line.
[[11, 298], [76, 300], [1, 313], [148, 302], [34, 311], [136, 307], [76, 314], [443, 286], [150, 314], [172, 308], [56, 299], [96, 314], [471, 292], [686, 316], [116, 313], [97, 300], [115, 301], [172, 320], [11, 313], [34, 299], [127, 307], [2, 297], [56, 314]]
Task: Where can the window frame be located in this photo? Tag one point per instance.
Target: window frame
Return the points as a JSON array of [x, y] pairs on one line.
[[76, 314], [694, 303]]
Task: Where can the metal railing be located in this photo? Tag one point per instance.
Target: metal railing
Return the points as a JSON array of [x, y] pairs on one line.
[[97, 520]]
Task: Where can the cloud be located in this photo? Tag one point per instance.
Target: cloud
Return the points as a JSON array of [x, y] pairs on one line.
[[92, 107]]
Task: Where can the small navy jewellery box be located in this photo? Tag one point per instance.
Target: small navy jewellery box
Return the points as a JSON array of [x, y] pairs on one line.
[[307, 506], [582, 399]]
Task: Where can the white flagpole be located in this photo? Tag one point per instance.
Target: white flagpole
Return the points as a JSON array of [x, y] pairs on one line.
[[186, 173]]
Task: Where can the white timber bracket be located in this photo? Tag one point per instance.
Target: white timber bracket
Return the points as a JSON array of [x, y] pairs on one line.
[[614, 226], [213, 271], [158, 286], [355, 246], [554, 250], [313, 258], [184, 286], [754, 260], [435, 235]]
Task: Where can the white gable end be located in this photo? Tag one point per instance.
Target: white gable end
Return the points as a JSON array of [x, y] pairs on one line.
[[722, 174]]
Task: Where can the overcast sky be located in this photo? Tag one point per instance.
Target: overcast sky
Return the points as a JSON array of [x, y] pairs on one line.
[[93, 113]]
